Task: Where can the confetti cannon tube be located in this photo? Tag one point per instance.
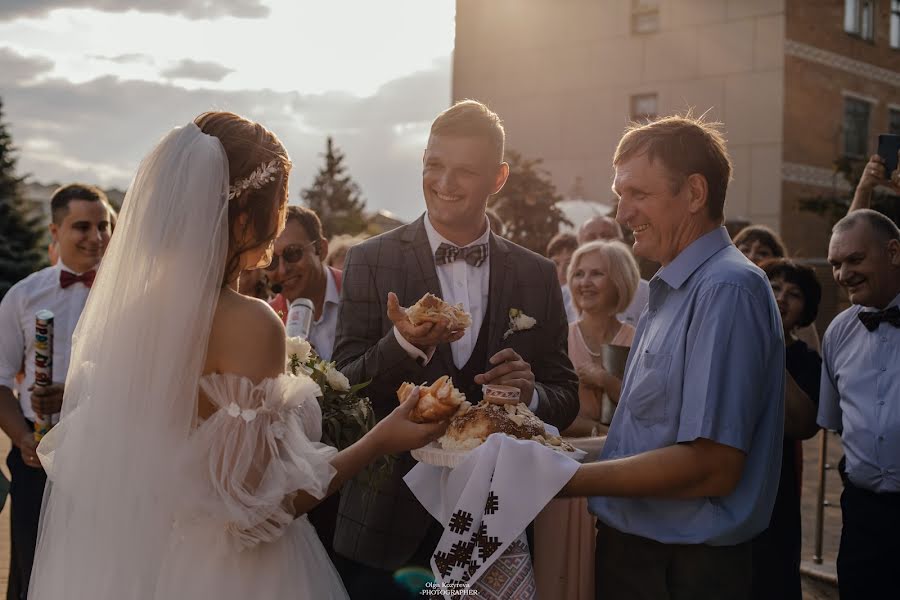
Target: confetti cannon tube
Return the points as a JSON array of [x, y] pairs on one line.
[[43, 366]]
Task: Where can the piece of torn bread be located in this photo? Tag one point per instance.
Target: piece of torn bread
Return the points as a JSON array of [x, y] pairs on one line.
[[432, 309], [437, 402]]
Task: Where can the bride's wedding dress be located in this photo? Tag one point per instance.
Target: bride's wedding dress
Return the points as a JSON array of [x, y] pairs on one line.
[[235, 536], [143, 502]]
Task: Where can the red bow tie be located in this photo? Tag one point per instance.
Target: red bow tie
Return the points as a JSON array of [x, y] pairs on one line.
[[66, 279]]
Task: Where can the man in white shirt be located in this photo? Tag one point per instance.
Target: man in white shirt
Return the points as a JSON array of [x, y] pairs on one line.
[[80, 227], [860, 398], [606, 228], [451, 252], [298, 270]]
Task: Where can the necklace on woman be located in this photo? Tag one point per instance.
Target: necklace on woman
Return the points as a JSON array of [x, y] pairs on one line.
[[585, 342]]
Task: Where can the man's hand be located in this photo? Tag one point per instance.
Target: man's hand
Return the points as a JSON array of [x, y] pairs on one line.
[[28, 446], [424, 336], [511, 370], [47, 400], [874, 174]]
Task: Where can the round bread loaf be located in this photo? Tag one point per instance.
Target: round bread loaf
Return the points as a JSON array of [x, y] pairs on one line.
[[470, 428]]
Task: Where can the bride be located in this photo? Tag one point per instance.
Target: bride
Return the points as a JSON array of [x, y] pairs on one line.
[[185, 461]]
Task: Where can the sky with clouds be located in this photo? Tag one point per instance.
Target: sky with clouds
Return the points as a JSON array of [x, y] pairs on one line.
[[89, 86]]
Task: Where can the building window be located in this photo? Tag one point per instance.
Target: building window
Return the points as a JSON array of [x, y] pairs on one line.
[[856, 127], [859, 18], [894, 121], [895, 24], [644, 16], [644, 107]]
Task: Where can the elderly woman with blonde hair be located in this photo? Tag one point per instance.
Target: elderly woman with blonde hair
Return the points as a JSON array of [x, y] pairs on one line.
[[603, 277]]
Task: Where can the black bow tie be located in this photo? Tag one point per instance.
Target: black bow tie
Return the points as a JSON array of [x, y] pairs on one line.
[[872, 319], [474, 255]]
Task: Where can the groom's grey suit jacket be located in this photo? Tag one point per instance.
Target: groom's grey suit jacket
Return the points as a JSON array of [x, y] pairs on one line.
[[383, 529]]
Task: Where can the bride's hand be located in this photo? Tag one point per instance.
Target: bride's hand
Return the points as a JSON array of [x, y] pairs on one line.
[[397, 433]]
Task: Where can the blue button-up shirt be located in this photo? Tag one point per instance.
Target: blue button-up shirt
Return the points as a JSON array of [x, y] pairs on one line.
[[707, 362], [861, 395]]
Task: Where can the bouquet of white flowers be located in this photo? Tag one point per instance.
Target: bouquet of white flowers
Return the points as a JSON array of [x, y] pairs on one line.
[[346, 415]]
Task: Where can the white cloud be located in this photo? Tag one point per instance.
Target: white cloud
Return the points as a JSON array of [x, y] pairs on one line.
[[191, 9], [204, 70], [311, 46], [88, 86], [98, 131]]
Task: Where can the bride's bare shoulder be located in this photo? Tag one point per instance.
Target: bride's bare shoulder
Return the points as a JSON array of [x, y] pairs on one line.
[[247, 338]]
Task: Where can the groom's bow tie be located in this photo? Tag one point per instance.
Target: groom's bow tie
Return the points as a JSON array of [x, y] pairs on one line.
[[871, 320], [474, 255]]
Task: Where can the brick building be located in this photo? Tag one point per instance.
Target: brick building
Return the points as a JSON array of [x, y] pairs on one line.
[[796, 83]]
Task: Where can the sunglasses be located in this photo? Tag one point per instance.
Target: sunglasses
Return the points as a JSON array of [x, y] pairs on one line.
[[291, 254]]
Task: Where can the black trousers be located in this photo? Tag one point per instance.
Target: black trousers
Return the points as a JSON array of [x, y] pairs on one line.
[[369, 583], [776, 563], [26, 492], [631, 567], [869, 554]]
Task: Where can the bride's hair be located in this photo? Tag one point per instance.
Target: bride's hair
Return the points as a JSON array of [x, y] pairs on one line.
[[248, 145]]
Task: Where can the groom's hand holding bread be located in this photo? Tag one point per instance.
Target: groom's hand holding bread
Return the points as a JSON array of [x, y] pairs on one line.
[[428, 323]]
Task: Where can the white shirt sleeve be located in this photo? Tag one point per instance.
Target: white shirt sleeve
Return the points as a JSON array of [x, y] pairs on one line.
[[829, 414], [412, 350], [535, 400], [12, 340]]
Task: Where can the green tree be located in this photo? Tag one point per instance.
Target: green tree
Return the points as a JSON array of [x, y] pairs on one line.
[[335, 197], [527, 204], [21, 236], [834, 204]]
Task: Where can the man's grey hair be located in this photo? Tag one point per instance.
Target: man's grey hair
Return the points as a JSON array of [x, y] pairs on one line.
[[605, 220], [884, 229]]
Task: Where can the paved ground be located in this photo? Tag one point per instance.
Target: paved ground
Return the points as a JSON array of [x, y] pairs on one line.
[[813, 589], [818, 580]]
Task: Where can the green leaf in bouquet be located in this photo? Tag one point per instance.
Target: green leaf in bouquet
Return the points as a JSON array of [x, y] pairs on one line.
[[359, 386]]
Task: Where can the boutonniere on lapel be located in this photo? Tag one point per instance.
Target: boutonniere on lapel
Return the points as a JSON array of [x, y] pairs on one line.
[[518, 321]]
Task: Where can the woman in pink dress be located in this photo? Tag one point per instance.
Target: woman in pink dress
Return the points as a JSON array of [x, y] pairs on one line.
[[603, 277]]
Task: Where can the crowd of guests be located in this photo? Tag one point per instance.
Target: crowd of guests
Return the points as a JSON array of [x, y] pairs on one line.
[[701, 470]]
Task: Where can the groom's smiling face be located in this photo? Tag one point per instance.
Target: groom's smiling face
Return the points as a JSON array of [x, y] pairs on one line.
[[458, 175]]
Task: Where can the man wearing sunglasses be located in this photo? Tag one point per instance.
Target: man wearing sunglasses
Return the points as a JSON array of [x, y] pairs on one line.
[[297, 271]]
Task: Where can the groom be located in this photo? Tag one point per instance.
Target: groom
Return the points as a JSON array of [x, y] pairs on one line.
[[450, 252]]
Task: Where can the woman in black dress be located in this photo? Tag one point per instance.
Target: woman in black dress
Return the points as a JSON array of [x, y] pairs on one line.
[[776, 551]]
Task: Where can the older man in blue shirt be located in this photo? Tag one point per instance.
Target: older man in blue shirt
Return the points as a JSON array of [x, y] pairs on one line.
[[690, 468], [860, 397]]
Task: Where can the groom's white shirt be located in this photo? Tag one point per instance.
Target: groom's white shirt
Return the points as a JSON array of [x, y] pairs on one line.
[[461, 283]]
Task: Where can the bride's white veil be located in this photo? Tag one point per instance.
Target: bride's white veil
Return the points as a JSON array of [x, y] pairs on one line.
[[130, 396]]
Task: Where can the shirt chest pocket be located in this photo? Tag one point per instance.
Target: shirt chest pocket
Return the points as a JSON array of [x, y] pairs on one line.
[[647, 398]]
